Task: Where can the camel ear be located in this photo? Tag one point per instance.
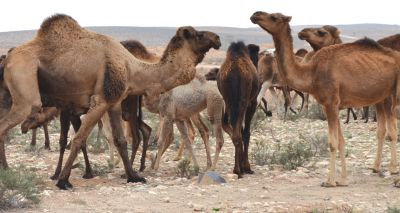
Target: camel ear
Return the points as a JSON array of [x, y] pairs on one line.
[[286, 18], [186, 32], [332, 30]]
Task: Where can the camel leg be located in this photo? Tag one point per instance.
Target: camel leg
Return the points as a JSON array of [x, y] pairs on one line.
[[348, 116], [166, 128], [191, 132], [64, 123], [332, 115], [204, 132], [188, 146], [46, 137], [266, 85], [366, 114], [146, 131], [88, 123], [121, 145], [302, 99], [381, 131], [251, 109], [391, 125], [342, 155], [33, 141], [3, 159], [306, 102], [238, 143], [105, 120], [24, 89], [76, 123]]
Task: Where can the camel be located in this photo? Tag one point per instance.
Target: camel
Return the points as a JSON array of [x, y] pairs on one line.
[[370, 77], [182, 105], [92, 73], [270, 79], [238, 83], [45, 130]]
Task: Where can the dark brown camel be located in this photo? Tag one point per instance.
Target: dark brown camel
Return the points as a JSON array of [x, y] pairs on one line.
[[105, 74], [238, 83], [356, 74]]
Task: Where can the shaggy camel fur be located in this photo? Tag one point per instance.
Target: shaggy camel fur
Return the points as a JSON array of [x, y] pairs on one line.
[[335, 82], [93, 73], [182, 104], [238, 84]]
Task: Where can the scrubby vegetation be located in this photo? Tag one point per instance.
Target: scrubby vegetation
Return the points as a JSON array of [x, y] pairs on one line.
[[19, 187]]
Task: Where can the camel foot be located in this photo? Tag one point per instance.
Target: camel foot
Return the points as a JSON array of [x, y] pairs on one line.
[[54, 177], [47, 147], [177, 158], [248, 171], [397, 183], [88, 175], [327, 184], [64, 184], [342, 183], [376, 170], [136, 179]]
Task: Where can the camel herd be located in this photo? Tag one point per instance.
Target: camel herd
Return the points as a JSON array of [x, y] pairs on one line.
[[69, 71]]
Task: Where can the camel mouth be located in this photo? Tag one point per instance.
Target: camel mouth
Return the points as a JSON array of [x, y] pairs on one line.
[[217, 44], [254, 19], [302, 35]]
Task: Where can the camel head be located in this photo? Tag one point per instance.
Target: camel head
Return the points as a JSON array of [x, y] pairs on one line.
[[199, 42], [273, 23], [321, 36]]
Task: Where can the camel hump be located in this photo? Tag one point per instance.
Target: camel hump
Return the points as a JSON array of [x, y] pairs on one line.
[[114, 82], [58, 23], [369, 43], [238, 49], [136, 48]]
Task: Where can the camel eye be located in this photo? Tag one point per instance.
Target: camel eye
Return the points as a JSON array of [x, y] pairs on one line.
[[274, 18], [321, 33]]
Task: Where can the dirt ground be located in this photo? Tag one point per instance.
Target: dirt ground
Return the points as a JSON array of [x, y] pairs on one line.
[[268, 190]]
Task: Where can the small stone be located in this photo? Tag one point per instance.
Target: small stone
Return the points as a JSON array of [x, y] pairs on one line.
[[166, 199], [198, 208], [244, 190], [209, 178]]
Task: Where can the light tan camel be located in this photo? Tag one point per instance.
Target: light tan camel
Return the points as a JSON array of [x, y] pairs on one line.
[[182, 104], [340, 76], [91, 72]]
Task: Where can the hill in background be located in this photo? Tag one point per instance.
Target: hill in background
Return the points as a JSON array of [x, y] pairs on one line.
[[157, 37]]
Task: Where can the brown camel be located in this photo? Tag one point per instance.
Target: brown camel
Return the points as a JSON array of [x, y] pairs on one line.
[[345, 75], [50, 112], [93, 73], [270, 79], [238, 84]]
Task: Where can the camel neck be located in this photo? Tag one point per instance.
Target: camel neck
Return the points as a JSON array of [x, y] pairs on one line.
[[294, 75], [174, 70]]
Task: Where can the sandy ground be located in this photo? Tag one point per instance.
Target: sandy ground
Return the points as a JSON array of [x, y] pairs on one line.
[[268, 190]]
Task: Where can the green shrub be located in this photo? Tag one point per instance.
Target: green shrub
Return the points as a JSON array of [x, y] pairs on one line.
[[393, 210], [184, 169], [19, 187], [290, 155], [316, 112]]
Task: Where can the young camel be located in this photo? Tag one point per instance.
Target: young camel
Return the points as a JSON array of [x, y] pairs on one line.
[[238, 84], [50, 112], [95, 82], [335, 82], [184, 103]]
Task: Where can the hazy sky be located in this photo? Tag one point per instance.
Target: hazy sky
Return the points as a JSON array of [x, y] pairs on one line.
[[28, 14]]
